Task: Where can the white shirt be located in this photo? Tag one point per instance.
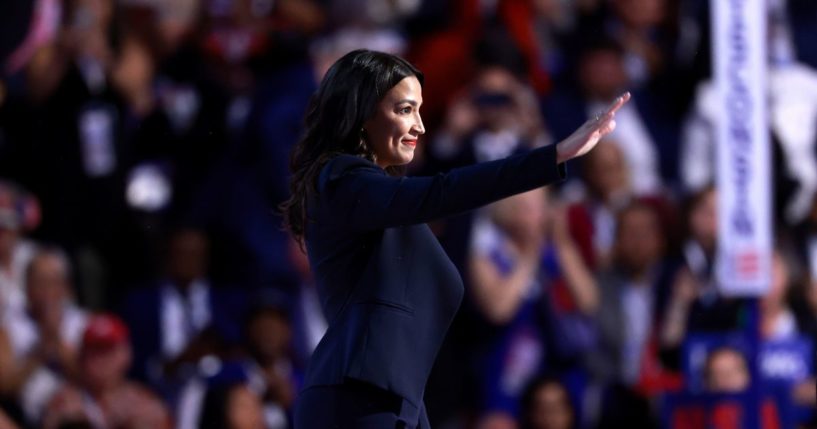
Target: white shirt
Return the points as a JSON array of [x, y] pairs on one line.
[[183, 316], [24, 335], [12, 281]]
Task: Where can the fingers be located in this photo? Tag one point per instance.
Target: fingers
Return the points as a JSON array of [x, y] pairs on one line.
[[617, 103], [608, 127]]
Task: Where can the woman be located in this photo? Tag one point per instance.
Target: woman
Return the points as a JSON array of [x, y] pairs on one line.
[[388, 290]]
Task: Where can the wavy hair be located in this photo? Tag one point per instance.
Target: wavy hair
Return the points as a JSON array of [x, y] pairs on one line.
[[347, 97]]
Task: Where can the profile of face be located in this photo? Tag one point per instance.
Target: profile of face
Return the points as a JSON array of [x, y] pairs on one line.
[[551, 408], [394, 128], [605, 171], [726, 371], [244, 409], [639, 242]]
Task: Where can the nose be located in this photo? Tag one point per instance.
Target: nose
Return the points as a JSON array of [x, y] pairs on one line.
[[419, 127]]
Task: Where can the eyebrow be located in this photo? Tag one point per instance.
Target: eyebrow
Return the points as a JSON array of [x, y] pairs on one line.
[[406, 100]]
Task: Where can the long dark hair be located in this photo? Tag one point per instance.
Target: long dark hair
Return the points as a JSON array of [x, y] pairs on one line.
[[345, 100]]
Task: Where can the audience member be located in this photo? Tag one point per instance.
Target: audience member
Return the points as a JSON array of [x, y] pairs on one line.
[[591, 219], [640, 132], [182, 318], [726, 370], [102, 395], [529, 280], [547, 405], [632, 293], [232, 406], [128, 118], [694, 302], [45, 338], [17, 213], [273, 370], [644, 30]]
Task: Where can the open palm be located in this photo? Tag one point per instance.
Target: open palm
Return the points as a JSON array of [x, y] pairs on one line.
[[588, 135]]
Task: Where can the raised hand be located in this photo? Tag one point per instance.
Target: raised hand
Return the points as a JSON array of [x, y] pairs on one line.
[[588, 135]]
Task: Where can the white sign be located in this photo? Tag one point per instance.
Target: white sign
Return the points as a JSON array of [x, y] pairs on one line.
[[743, 148]]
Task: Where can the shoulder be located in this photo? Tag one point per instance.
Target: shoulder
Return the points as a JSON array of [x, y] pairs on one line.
[[344, 164]]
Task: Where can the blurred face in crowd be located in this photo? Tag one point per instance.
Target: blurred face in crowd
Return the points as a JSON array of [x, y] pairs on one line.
[[105, 367], [548, 8], [726, 371], [270, 335], [244, 409], [9, 235], [521, 215], [9, 223], [188, 256], [89, 14], [776, 296], [703, 220], [641, 13], [494, 98], [602, 74], [47, 287], [134, 70], [639, 243], [497, 420], [605, 171], [393, 131], [551, 408]]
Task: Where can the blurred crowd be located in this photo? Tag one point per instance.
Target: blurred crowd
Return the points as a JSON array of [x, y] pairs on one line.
[[145, 280]]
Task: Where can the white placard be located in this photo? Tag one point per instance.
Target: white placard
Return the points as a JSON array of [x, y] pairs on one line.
[[743, 148]]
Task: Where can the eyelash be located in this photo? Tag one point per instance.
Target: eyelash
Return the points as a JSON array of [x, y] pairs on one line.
[[405, 110]]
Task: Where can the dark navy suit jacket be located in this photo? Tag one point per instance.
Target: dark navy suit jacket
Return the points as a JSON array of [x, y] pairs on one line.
[[388, 290]]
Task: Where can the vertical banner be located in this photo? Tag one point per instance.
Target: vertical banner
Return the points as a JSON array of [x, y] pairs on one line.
[[743, 151]]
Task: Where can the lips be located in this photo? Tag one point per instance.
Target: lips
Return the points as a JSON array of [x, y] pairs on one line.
[[411, 143]]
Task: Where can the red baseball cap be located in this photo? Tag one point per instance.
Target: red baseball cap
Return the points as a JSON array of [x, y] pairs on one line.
[[104, 331]]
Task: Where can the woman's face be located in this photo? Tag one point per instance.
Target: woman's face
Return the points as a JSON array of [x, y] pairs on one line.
[[393, 130]]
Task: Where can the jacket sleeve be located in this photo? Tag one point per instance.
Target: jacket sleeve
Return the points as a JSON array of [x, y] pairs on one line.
[[363, 197]]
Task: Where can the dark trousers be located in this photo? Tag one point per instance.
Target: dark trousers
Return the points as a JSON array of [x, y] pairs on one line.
[[355, 406]]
